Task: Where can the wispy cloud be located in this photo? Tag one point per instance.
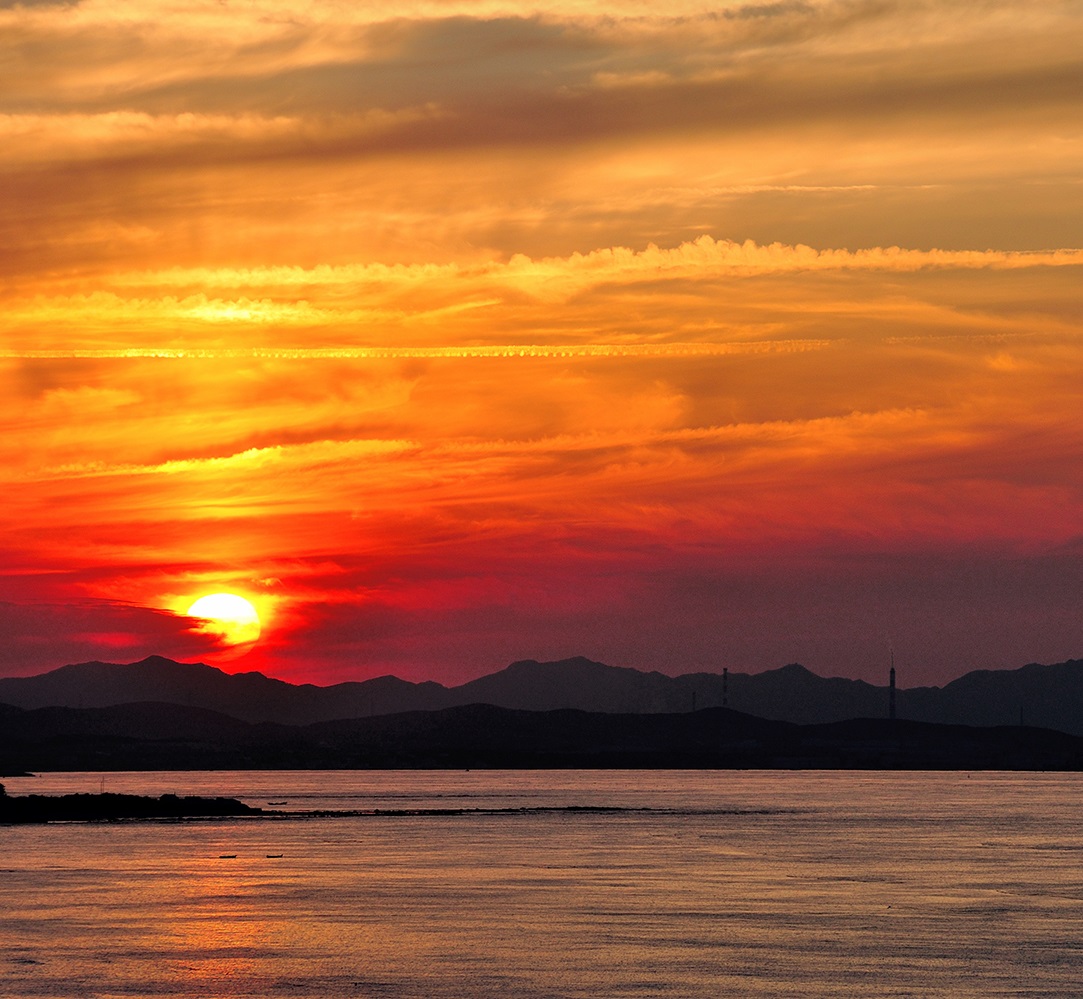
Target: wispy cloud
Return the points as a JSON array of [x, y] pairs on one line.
[[700, 256], [353, 300], [475, 324]]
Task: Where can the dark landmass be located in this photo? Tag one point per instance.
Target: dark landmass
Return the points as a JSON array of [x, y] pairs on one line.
[[1034, 695], [250, 697], [171, 737], [15, 810]]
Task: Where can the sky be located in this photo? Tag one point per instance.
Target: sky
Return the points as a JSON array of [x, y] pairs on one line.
[[449, 333]]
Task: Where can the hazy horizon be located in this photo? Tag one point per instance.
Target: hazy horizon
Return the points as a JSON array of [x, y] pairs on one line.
[[237, 667]]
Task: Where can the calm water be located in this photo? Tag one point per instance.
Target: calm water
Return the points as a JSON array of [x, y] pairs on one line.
[[702, 884]]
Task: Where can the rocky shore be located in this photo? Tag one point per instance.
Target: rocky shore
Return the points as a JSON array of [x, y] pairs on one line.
[[106, 807]]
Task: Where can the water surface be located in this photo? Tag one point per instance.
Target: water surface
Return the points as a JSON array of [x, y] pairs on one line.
[[695, 884]]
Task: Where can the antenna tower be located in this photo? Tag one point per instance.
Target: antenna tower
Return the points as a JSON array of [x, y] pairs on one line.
[[891, 689]]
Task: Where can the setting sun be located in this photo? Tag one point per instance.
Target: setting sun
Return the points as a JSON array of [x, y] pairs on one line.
[[229, 618], [705, 334]]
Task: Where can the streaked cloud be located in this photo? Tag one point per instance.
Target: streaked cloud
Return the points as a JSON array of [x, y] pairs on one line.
[[458, 332]]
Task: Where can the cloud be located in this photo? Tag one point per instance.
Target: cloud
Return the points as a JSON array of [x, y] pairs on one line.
[[15, 5], [564, 75], [701, 256], [418, 294], [468, 320], [431, 311], [131, 137], [42, 636]]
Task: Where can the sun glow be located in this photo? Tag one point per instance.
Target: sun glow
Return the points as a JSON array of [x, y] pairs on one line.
[[230, 619], [699, 334]]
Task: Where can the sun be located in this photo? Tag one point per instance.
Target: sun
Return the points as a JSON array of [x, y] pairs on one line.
[[230, 619]]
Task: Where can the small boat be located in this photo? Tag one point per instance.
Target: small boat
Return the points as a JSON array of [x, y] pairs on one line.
[[227, 856], [277, 802], [273, 856]]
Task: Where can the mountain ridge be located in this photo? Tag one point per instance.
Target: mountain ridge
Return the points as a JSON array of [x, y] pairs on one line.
[[1046, 696], [154, 736]]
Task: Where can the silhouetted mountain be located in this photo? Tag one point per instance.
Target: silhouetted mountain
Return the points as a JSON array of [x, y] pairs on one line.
[[248, 696], [577, 683], [1049, 696], [1043, 696], [167, 737]]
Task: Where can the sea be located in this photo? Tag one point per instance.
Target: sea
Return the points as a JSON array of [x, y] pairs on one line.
[[555, 885]]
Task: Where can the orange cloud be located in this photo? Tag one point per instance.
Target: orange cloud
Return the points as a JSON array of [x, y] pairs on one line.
[[606, 329]]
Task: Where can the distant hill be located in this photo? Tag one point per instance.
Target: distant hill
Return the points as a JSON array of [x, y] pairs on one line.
[[168, 737], [1036, 695], [247, 696]]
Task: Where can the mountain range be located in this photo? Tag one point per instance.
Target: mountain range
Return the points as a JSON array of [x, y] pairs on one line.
[[1044, 696], [156, 736]]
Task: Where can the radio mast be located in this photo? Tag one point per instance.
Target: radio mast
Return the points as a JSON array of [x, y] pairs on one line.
[[891, 689]]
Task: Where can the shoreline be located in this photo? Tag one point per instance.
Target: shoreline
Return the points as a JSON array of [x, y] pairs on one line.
[[107, 807], [89, 808]]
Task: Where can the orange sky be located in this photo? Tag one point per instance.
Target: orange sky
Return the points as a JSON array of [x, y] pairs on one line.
[[450, 333]]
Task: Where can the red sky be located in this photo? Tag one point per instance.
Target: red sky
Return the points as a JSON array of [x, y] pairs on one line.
[[452, 333]]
